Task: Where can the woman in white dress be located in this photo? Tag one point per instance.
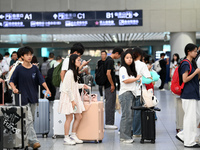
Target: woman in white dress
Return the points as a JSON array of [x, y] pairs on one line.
[[70, 100], [174, 64]]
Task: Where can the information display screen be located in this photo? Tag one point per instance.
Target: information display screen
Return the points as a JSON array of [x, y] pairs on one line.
[[71, 19]]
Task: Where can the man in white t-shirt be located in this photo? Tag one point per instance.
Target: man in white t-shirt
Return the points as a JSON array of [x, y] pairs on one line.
[[4, 66], [7, 58], [51, 58], [76, 49], [141, 69], [58, 61]]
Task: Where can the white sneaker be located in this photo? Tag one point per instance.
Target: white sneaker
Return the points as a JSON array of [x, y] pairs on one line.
[[101, 98], [162, 89], [69, 141], [111, 127], [197, 141], [136, 136], [75, 138], [129, 141]]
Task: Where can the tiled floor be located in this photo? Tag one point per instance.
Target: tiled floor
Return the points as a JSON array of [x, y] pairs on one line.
[[165, 132]]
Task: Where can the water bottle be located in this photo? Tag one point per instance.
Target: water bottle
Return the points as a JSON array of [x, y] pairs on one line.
[[45, 94], [75, 109]]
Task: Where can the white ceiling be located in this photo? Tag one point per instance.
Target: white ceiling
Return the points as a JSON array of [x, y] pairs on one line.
[[118, 37]]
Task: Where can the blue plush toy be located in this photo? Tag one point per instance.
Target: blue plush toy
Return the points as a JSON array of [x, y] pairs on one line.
[[154, 75]]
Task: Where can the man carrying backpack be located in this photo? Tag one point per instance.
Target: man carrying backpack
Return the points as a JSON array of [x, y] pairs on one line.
[[110, 89], [100, 63], [163, 71], [51, 60]]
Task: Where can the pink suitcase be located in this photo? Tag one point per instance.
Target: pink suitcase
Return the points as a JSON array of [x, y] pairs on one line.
[[91, 127]]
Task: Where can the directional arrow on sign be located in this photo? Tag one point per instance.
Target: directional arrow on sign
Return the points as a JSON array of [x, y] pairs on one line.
[[55, 16], [135, 14], [1, 16]]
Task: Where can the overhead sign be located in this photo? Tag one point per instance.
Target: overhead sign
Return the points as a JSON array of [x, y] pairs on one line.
[[71, 19]]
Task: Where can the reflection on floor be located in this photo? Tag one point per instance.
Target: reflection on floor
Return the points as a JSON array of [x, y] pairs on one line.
[[165, 132]]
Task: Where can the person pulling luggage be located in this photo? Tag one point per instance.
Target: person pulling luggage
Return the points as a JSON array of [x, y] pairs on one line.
[[128, 78], [70, 101], [26, 79]]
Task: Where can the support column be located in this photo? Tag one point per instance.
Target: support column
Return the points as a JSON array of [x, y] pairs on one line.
[[178, 41]]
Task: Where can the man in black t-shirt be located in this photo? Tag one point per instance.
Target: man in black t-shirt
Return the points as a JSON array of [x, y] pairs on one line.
[[163, 71], [99, 63], [110, 89]]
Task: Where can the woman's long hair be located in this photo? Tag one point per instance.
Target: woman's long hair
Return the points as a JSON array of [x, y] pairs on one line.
[[177, 56], [72, 66], [130, 69], [188, 48]]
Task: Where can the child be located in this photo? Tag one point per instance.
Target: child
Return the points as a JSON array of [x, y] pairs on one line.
[[128, 78], [70, 100], [26, 79], [190, 99]]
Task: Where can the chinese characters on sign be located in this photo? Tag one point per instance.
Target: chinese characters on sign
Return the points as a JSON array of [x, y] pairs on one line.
[[71, 19]]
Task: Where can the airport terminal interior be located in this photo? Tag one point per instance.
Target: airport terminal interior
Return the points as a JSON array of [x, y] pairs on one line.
[[165, 131], [156, 26]]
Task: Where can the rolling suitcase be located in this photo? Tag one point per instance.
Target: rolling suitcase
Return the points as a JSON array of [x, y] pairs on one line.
[[91, 127], [59, 121], [179, 114], [2, 93], [1, 132], [42, 117], [148, 129], [14, 126], [148, 126]]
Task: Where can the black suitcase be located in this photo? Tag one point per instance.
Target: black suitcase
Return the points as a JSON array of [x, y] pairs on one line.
[[1, 132], [148, 128]]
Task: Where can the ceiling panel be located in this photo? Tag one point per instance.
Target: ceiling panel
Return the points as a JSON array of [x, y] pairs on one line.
[[103, 37]]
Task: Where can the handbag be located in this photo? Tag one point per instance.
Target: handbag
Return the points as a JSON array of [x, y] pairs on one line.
[[148, 98]]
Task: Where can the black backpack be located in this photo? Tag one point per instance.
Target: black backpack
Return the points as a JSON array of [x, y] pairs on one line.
[[101, 77], [51, 87]]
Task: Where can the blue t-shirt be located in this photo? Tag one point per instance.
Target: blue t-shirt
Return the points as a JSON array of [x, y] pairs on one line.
[[27, 81], [191, 88]]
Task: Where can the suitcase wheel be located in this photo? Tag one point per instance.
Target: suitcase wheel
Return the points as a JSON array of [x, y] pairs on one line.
[[152, 141], [54, 137], [96, 141], [142, 141], [100, 141], [44, 135]]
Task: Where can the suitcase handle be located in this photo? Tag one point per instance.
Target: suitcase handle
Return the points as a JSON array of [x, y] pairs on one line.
[[145, 108], [90, 97], [3, 86], [20, 98]]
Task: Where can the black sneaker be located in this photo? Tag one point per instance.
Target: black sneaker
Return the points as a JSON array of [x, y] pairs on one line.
[[194, 146]]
